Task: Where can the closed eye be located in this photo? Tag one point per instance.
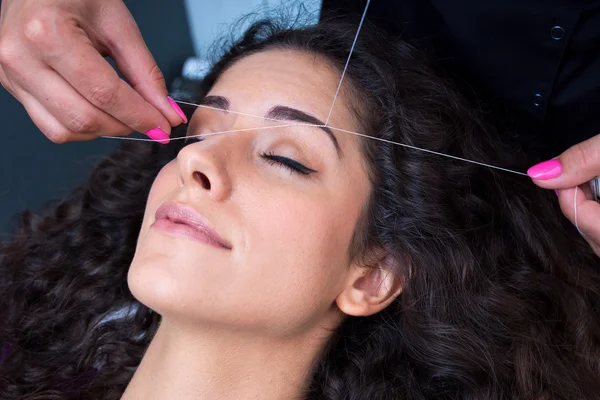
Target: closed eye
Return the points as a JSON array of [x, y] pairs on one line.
[[288, 163], [271, 158]]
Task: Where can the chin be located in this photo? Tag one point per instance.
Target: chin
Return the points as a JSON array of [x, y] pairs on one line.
[[152, 283], [168, 281]]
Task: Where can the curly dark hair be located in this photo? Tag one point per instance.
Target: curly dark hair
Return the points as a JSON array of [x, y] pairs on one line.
[[501, 296]]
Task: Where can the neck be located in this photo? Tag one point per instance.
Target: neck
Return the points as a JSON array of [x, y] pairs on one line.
[[184, 363]]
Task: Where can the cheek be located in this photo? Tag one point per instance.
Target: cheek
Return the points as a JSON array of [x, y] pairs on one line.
[[292, 225], [298, 246]]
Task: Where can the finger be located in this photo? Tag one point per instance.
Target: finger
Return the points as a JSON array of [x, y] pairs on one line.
[[6, 83], [74, 58], [50, 126], [69, 107], [582, 212], [134, 60], [577, 165], [46, 122]]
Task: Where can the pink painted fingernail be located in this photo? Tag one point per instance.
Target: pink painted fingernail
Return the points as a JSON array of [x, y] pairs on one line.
[[178, 110], [546, 170], [159, 135]]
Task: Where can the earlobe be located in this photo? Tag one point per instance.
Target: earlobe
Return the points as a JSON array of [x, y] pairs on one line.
[[369, 290]]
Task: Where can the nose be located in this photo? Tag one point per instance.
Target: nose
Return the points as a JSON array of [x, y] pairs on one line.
[[201, 169]]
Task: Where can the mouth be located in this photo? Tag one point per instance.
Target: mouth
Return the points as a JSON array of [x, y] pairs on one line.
[[179, 220]]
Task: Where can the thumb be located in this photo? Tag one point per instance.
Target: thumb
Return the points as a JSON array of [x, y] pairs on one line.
[[134, 60], [577, 165]]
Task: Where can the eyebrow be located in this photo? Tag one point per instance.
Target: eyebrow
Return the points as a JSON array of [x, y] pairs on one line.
[[280, 113], [216, 102]]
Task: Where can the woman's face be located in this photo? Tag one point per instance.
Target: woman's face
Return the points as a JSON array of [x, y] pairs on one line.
[[285, 233]]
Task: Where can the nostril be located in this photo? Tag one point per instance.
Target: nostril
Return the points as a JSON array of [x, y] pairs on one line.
[[202, 179]]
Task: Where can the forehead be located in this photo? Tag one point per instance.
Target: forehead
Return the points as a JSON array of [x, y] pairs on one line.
[[256, 83], [287, 77]]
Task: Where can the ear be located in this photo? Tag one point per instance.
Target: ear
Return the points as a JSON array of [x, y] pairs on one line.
[[370, 288]]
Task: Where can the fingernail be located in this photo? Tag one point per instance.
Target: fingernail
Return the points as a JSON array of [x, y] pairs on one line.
[[546, 170], [178, 110], [159, 135], [556, 193]]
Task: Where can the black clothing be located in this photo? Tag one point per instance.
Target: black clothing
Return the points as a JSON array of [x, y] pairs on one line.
[[537, 59]]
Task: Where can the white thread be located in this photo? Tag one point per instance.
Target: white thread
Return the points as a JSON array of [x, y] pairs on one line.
[[208, 134], [575, 207], [347, 61], [327, 120], [228, 111], [430, 151], [334, 128]]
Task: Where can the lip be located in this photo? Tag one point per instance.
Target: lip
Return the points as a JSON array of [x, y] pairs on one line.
[[177, 219]]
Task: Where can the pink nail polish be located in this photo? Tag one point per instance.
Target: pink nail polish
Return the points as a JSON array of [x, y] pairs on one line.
[[178, 110], [546, 170], [159, 135]]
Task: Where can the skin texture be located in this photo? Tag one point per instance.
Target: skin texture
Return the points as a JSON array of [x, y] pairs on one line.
[[51, 60], [250, 321]]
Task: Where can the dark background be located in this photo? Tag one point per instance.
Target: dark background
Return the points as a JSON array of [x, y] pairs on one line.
[[34, 170]]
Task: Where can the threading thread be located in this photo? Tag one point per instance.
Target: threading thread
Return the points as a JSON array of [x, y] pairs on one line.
[[227, 111], [430, 151], [347, 62], [575, 209], [207, 134], [336, 129], [326, 121]]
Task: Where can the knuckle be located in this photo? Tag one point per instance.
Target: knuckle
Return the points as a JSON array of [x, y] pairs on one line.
[[156, 74], [58, 136], [135, 120], [41, 29], [82, 124], [104, 97], [8, 51], [587, 153]]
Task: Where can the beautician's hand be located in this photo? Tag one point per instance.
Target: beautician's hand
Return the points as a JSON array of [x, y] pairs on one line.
[[576, 166], [51, 60]]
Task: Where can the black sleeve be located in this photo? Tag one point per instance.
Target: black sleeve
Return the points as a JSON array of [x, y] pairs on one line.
[[415, 21], [333, 8], [419, 17]]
